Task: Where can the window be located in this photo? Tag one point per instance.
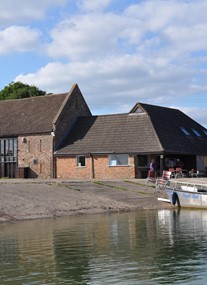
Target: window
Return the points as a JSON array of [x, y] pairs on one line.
[[1, 147], [118, 159], [196, 133], [185, 131], [139, 110], [81, 161], [205, 132], [8, 149], [35, 161]]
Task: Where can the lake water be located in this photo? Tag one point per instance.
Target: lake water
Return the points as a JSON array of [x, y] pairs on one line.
[[145, 247]]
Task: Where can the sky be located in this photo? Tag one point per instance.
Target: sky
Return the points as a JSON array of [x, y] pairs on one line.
[[119, 52]]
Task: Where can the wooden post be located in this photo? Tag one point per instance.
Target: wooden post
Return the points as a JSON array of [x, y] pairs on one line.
[[161, 164]]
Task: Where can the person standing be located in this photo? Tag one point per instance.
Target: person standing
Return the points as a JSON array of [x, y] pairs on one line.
[[153, 166]]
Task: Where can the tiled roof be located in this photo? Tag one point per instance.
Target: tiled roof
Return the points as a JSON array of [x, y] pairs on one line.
[[168, 122], [154, 130], [30, 115], [124, 133]]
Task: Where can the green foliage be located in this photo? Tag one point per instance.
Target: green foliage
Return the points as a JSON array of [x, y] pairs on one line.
[[18, 90]]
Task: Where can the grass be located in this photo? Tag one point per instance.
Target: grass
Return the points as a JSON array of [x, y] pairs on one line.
[[140, 184], [111, 186], [122, 188]]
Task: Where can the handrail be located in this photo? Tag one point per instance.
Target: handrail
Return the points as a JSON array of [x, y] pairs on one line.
[[189, 183]]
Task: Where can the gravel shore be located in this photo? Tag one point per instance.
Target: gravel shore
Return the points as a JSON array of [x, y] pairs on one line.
[[23, 199]]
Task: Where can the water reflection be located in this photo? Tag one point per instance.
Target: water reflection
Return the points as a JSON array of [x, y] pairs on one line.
[[149, 247]]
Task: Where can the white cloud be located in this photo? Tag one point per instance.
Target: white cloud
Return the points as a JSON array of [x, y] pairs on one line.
[[128, 78], [16, 38], [187, 38], [148, 27], [115, 85], [21, 11], [91, 5], [84, 36], [157, 18], [142, 54]]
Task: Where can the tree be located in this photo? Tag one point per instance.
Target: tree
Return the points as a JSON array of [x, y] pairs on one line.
[[18, 90]]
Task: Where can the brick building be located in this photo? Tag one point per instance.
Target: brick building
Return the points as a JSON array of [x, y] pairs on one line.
[[121, 146], [31, 129], [57, 136]]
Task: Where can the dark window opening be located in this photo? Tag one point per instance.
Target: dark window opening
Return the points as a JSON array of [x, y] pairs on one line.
[[81, 161]]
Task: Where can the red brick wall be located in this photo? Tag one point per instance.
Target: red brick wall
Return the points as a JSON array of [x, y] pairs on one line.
[[96, 167], [104, 171], [66, 168], [35, 152]]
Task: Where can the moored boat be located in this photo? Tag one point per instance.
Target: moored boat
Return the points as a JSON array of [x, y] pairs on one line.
[[191, 194]]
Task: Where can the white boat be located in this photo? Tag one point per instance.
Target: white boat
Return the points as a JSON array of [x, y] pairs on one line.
[[191, 194]]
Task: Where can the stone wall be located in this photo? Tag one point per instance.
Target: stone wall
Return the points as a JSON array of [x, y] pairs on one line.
[[75, 107], [35, 152]]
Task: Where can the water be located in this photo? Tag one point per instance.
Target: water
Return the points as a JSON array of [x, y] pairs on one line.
[[149, 247]]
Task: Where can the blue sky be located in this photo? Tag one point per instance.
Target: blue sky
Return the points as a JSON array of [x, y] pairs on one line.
[[119, 52]]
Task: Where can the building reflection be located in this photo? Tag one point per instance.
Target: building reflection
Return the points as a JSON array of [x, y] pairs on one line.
[[145, 245]]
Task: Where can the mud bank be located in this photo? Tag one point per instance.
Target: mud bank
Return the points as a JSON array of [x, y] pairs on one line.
[[30, 199]]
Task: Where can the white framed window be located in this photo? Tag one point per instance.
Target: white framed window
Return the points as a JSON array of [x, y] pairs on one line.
[[81, 161], [118, 159]]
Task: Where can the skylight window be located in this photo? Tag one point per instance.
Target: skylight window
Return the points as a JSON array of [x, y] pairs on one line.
[[185, 131], [196, 133], [205, 132]]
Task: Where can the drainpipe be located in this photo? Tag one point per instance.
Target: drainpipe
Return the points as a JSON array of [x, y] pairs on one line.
[[92, 166], [53, 174]]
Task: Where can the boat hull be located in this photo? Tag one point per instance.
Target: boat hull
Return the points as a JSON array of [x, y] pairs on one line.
[[188, 199]]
